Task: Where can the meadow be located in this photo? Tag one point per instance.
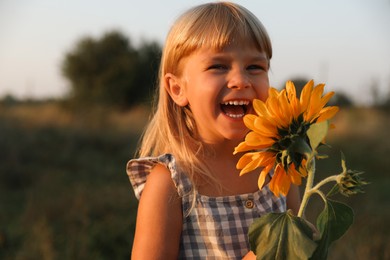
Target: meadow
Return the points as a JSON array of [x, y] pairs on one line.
[[64, 192]]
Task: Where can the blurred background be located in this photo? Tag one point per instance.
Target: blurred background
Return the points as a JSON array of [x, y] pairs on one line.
[[76, 81]]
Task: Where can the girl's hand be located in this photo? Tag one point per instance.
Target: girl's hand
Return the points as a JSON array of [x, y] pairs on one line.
[[249, 256]]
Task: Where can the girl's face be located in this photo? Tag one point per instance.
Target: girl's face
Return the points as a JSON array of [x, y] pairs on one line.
[[219, 87]]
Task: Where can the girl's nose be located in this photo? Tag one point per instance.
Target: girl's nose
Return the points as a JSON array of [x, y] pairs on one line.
[[238, 80]]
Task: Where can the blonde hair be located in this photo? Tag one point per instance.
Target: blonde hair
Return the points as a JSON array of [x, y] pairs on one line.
[[172, 128]]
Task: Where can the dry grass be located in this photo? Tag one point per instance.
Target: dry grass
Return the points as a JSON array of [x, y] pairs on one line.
[[54, 114]]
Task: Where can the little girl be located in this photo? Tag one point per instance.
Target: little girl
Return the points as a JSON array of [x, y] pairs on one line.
[[194, 204]]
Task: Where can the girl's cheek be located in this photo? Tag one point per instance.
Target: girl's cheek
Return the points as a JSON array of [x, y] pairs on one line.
[[263, 92]]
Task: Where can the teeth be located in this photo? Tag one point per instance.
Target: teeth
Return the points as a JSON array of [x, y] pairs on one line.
[[236, 102], [235, 116]]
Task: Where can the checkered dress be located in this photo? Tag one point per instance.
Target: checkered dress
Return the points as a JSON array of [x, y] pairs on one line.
[[216, 227]]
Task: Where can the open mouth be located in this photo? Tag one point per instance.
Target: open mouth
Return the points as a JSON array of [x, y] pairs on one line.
[[235, 108]]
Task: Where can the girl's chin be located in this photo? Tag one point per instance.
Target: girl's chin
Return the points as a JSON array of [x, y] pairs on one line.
[[238, 136]]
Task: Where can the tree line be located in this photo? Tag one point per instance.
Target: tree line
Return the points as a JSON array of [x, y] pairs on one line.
[[111, 71]]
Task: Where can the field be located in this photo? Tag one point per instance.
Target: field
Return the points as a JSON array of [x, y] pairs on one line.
[[64, 193]]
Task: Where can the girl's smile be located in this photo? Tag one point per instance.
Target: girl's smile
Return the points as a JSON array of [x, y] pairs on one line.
[[235, 108]]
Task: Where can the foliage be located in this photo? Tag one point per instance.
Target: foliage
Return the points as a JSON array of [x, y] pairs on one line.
[[111, 71]]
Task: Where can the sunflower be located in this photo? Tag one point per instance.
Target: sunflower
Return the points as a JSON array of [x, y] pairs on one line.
[[278, 138]]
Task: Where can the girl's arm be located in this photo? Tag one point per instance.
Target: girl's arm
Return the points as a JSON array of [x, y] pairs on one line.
[[159, 218]]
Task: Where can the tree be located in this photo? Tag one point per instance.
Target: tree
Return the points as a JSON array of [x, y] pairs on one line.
[[110, 70], [149, 56], [341, 99]]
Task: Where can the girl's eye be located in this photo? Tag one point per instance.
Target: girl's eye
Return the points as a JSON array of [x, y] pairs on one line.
[[217, 67], [256, 67]]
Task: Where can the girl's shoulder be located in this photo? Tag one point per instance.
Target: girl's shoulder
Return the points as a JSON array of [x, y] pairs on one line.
[[139, 169]]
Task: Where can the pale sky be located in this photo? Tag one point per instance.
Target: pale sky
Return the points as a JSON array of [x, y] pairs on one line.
[[343, 43]]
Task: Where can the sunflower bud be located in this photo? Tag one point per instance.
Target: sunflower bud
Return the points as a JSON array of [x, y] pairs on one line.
[[350, 183]]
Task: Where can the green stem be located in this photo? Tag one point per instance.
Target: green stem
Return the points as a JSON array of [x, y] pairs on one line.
[[308, 190], [324, 181]]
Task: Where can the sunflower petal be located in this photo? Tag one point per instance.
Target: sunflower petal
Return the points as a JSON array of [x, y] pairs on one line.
[[249, 121], [252, 165], [272, 92], [275, 182], [285, 184], [256, 140], [263, 175], [305, 95], [243, 147], [285, 110], [326, 98], [265, 128], [314, 104], [295, 177], [320, 105], [302, 169], [258, 159], [327, 113], [244, 160], [291, 91], [273, 108], [260, 107], [292, 98]]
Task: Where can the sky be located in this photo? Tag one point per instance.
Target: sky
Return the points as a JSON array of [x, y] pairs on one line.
[[344, 44]]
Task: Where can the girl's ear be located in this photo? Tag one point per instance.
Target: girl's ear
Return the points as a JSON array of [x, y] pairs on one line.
[[175, 89]]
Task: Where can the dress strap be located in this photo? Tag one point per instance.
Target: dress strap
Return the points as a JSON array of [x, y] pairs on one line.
[[139, 169]]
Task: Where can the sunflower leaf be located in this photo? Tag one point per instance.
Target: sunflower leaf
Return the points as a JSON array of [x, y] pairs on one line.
[[281, 236], [332, 223], [316, 133]]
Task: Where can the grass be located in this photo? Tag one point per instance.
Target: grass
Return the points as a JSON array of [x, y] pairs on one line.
[[64, 193]]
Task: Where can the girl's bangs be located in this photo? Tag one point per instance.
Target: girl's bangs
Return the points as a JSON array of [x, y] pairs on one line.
[[220, 25], [219, 39], [220, 32]]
